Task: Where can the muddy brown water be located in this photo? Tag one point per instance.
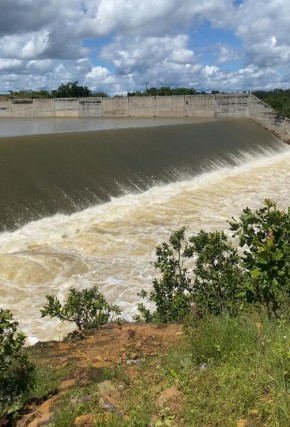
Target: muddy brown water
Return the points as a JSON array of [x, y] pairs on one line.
[[85, 208]]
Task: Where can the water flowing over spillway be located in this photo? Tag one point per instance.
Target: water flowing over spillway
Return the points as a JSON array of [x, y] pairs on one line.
[[134, 187]]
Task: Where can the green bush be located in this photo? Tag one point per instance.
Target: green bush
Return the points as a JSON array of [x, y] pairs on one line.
[[88, 309], [265, 234], [214, 286], [172, 292], [218, 277], [16, 372], [222, 281]]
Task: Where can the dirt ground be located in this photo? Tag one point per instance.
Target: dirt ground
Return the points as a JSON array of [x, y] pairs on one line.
[[114, 345]]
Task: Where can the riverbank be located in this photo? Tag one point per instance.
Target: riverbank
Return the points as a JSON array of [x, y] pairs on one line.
[[216, 372]]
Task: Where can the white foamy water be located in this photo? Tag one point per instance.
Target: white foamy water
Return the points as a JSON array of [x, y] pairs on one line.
[[112, 245]]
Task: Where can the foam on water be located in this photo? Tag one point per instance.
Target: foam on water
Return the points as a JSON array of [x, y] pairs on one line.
[[112, 245]]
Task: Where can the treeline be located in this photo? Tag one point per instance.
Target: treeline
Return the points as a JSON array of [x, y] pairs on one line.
[[68, 90], [164, 91], [278, 99], [74, 90]]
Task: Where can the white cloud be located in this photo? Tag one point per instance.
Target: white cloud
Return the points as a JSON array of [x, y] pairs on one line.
[[36, 45], [98, 73], [42, 43], [40, 65], [147, 53], [264, 28], [226, 53], [9, 64]]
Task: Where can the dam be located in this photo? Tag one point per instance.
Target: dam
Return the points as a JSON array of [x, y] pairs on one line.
[[88, 207]]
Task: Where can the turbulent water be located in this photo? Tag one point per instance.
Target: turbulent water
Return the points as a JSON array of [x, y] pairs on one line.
[[112, 244]]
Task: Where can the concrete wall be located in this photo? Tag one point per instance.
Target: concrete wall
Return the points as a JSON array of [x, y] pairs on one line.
[[202, 106], [269, 118], [232, 105], [90, 107], [207, 106], [149, 106]]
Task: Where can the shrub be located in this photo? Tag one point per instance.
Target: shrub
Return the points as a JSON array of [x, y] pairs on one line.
[[219, 279], [88, 309], [222, 281], [214, 285], [265, 234], [16, 372], [172, 292]]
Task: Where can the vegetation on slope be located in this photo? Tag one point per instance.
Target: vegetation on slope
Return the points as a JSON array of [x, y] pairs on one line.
[[279, 99]]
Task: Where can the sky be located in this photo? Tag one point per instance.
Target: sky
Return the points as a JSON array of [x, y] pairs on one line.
[[119, 46]]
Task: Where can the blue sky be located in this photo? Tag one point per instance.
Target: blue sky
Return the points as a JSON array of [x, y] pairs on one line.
[[117, 45]]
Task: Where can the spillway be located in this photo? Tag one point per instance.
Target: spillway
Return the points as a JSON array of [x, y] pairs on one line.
[[85, 208]]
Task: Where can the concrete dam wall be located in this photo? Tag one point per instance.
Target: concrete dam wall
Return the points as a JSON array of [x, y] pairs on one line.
[[208, 106], [199, 106]]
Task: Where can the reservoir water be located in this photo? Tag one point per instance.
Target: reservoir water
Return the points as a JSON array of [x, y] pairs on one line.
[[88, 208]]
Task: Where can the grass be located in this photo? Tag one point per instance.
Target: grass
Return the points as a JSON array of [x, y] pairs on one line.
[[229, 372]]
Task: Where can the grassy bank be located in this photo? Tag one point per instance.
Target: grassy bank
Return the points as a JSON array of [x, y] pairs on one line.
[[222, 372]]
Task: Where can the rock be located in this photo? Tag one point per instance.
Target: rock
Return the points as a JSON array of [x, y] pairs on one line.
[[64, 346], [42, 420], [133, 356], [84, 420], [166, 395], [41, 417], [90, 420], [108, 397], [67, 384], [45, 406], [108, 403], [83, 399], [131, 333], [134, 361], [107, 387]]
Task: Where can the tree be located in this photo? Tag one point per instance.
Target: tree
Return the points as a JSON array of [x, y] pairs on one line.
[[29, 93], [100, 94], [265, 235], [16, 372], [219, 278], [71, 90], [88, 309], [164, 91], [214, 286], [172, 292]]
